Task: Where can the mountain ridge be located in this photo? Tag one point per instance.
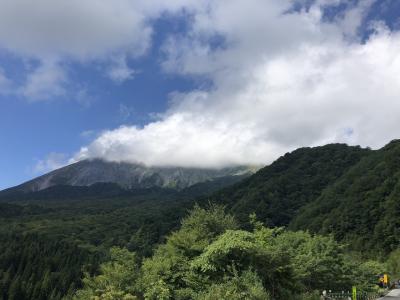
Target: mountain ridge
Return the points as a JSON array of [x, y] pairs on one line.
[[126, 175], [363, 206], [278, 191], [348, 192]]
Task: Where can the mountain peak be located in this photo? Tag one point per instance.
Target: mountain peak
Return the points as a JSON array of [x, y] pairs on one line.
[[128, 175]]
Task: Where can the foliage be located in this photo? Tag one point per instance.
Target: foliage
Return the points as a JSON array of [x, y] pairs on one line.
[[362, 207], [247, 286], [116, 280], [365, 274], [221, 261], [46, 245], [318, 261], [277, 192], [332, 198], [33, 266], [169, 270], [393, 263]]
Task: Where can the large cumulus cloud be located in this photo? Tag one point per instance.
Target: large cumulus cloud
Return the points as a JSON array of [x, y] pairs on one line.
[[281, 79], [80, 29], [52, 34]]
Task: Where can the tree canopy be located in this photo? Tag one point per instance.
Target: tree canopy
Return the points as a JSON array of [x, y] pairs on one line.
[[210, 258]]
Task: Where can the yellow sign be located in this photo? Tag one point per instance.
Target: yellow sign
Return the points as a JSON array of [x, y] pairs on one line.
[[385, 279]]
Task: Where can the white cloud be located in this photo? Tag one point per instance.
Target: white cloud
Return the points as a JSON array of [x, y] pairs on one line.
[[82, 29], [120, 72], [280, 81], [90, 29], [352, 18], [51, 162], [47, 30], [45, 82], [79, 31], [180, 140]]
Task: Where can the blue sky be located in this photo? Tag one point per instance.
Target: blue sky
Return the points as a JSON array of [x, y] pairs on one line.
[[192, 83], [33, 128]]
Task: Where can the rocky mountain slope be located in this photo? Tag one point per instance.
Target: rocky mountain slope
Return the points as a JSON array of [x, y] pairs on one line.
[[126, 175]]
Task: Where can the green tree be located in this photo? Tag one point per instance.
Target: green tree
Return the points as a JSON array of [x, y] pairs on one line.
[[116, 280], [15, 292], [365, 274], [168, 274], [318, 261], [393, 263], [240, 251], [247, 286]]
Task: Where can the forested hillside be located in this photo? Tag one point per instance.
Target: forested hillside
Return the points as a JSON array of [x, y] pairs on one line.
[[51, 239], [278, 191], [210, 258], [362, 208], [43, 253], [350, 192]]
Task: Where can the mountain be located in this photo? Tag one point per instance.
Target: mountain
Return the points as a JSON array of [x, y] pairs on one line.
[[75, 214], [277, 192], [75, 226], [363, 206], [349, 192], [126, 175]]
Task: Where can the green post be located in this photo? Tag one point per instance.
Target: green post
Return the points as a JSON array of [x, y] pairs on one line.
[[354, 293]]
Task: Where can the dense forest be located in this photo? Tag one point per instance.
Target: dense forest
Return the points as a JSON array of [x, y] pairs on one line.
[[49, 238], [278, 191], [317, 218], [362, 207], [210, 257]]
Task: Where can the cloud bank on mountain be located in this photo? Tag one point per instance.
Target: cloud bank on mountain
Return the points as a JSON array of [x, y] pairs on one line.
[[281, 79], [280, 74]]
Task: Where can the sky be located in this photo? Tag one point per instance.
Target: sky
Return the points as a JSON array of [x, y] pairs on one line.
[[192, 83]]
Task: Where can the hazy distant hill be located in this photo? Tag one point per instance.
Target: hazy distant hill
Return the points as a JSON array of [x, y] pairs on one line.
[[126, 175]]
